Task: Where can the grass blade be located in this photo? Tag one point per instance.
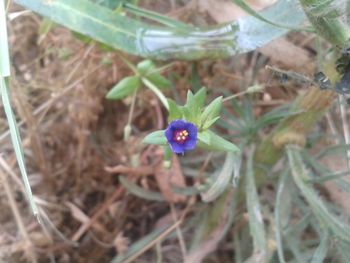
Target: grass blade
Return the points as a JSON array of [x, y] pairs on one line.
[[327, 220], [222, 179], [321, 251], [15, 136], [4, 55], [16, 141], [282, 195], [139, 191], [256, 223]]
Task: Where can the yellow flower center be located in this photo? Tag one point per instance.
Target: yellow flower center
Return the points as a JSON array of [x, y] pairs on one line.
[[181, 136]]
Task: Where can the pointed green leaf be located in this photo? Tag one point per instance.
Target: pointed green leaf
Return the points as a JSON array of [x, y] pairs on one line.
[[256, 222], [145, 66], [124, 88], [211, 141], [139, 191], [212, 111], [318, 206], [207, 124], [199, 97], [321, 251], [158, 80], [221, 179], [175, 112], [156, 137], [148, 70]]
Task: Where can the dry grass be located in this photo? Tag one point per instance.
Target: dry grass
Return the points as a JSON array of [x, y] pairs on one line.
[[71, 134]]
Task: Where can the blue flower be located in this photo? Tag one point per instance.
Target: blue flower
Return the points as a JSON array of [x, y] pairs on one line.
[[181, 136]]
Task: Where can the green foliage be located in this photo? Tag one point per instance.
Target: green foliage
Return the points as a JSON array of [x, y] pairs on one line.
[[256, 223], [139, 191], [124, 88], [147, 69], [203, 117], [327, 220], [147, 74], [156, 138], [166, 42], [211, 141], [211, 113], [220, 180]]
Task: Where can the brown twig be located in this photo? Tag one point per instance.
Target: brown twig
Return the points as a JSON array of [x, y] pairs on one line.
[[83, 228], [18, 218]]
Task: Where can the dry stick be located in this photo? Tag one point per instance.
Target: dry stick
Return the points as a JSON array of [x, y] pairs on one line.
[[333, 128], [83, 228], [50, 102], [178, 232], [162, 235], [342, 106], [86, 53], [154, 242], [25, 112], [17, 215]]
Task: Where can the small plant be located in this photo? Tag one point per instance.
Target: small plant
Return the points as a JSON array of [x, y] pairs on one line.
[[190, 123]]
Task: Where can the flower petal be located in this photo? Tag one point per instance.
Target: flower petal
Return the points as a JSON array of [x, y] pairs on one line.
[[190, 144], [187, 144], [177, 148], [169, 134], [192, 131], [178, 124]]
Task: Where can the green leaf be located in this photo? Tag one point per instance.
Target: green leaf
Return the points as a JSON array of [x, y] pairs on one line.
[[199, 97], [300, 175], [124, 88], [148, 70], [242, 4], [211, 141], [282, 211], [221, 179], [156, 137], [321, 251], [175, 112], [158, 80], [190, 102], [145, 66], [138, 38], [211, 112], [256, 222], [135, 10], [139, 191]]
